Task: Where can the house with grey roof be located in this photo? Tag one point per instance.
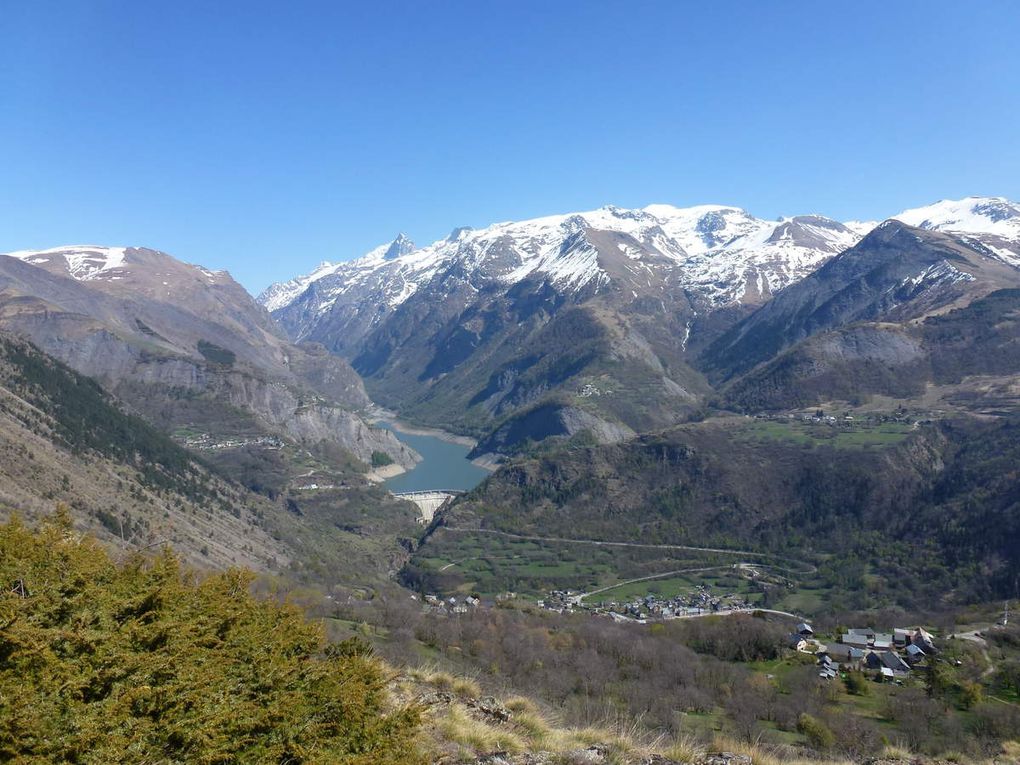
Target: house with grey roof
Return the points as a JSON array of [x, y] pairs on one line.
[[856, 639], [914, 653], [888, 660], [882, 641]]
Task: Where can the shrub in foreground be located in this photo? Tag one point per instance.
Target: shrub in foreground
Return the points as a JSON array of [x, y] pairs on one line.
[[141, 662]]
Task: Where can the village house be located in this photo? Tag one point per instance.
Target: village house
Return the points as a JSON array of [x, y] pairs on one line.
[[796, 641], [882, 641], [887, 663], [857, 638], [923, 640], [915, 653], [845, 655]]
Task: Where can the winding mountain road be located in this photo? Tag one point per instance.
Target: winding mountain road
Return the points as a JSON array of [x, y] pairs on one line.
[[576, 599], [667, 574], [807, 568]]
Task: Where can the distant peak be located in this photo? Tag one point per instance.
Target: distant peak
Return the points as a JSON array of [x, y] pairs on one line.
[[892, 223], [458, 232], [399, 247], [971, 215], [888, 230]]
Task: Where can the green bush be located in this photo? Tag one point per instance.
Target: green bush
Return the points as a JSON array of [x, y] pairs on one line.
[[144, 662], [381, 459], [816, 732], [857, 684]]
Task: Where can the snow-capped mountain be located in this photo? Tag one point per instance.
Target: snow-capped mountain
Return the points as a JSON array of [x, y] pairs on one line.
[[596, 320], [82, 262], [283, 294], [723, 254], [491, 323], [991, 221], [972, 215], [129, 270]]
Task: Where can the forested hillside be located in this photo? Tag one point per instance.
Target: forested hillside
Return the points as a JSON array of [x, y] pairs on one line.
[[888, 512]]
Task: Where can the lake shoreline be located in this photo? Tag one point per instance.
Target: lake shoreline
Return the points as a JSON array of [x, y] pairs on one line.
[[382, 474], [379, 415], [444, 466]]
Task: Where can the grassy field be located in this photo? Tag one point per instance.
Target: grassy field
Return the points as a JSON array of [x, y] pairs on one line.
[[802, 600], [856, 435], [669, 587], [489, 564]]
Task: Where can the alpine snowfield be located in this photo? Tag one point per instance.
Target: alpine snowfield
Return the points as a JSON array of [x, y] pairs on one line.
[[722, 254]]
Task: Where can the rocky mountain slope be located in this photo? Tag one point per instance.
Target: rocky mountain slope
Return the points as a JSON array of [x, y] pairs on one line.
[[968, 358], [63, 440], [554, 326], [185, 346], [898, 275]]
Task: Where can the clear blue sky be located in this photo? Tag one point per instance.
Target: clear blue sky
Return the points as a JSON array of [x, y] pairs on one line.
[[264, 137]]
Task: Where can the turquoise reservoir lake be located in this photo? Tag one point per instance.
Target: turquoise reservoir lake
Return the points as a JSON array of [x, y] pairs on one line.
[[444, 465]]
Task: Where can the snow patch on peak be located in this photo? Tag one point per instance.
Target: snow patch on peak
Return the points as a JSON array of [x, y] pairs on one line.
[[82, 262], [861, 227], [973, 215], [942, 272], [284, 293]]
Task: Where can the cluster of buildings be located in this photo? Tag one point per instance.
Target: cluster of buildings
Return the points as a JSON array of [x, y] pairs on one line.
[[436, 604], [700, 602], [316, 486], [888, 655], [845, 419], [205, 442], [590, 390]]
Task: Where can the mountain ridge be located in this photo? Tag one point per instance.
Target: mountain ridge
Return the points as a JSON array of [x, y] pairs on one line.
[[461, 332], [971, 214], [686, 235]]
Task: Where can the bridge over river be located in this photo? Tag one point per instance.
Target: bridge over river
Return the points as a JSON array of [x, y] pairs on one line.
[[428, 502]]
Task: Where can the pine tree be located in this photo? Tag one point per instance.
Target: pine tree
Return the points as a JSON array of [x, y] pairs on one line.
[[143, 662]]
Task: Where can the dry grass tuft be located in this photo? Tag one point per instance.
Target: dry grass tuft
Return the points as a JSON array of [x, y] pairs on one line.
[[459, 727], [521, 704], [464, 687], [895, 752], [1010, 752], [685, 749]]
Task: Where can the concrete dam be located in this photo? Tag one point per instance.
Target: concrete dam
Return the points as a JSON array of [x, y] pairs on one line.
[[428, 502]]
